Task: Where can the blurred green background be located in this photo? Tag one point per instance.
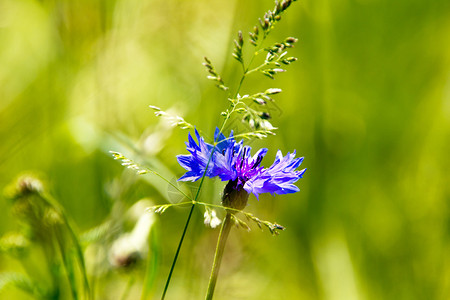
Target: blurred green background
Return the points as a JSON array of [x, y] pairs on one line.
[[367, 104]]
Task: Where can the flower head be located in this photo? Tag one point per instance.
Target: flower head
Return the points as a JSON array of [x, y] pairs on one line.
[[231, 161]]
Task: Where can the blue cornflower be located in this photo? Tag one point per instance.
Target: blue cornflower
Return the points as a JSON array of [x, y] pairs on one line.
[[232, 162]]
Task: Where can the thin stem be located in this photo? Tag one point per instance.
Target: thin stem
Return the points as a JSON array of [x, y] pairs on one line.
[[224, 231], [178, 252], [241, 82], [218, 206]]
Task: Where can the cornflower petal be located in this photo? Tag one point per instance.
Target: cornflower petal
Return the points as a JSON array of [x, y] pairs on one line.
[[231, 161]]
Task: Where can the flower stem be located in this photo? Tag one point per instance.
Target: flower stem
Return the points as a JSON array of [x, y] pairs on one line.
[[224, 231]]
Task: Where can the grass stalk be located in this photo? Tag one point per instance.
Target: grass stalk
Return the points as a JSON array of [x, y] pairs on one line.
[[178, 252]]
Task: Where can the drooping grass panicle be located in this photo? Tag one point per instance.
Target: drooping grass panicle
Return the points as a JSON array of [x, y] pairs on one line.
[[212, 220], [276, 59], [130, 164], [271, 17], [160, 209], [237, 52], [258, 134], [214, 76], [274, 228], [174, 120]]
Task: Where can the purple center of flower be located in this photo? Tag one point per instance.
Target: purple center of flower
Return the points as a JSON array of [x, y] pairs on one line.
[[246, 167]]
